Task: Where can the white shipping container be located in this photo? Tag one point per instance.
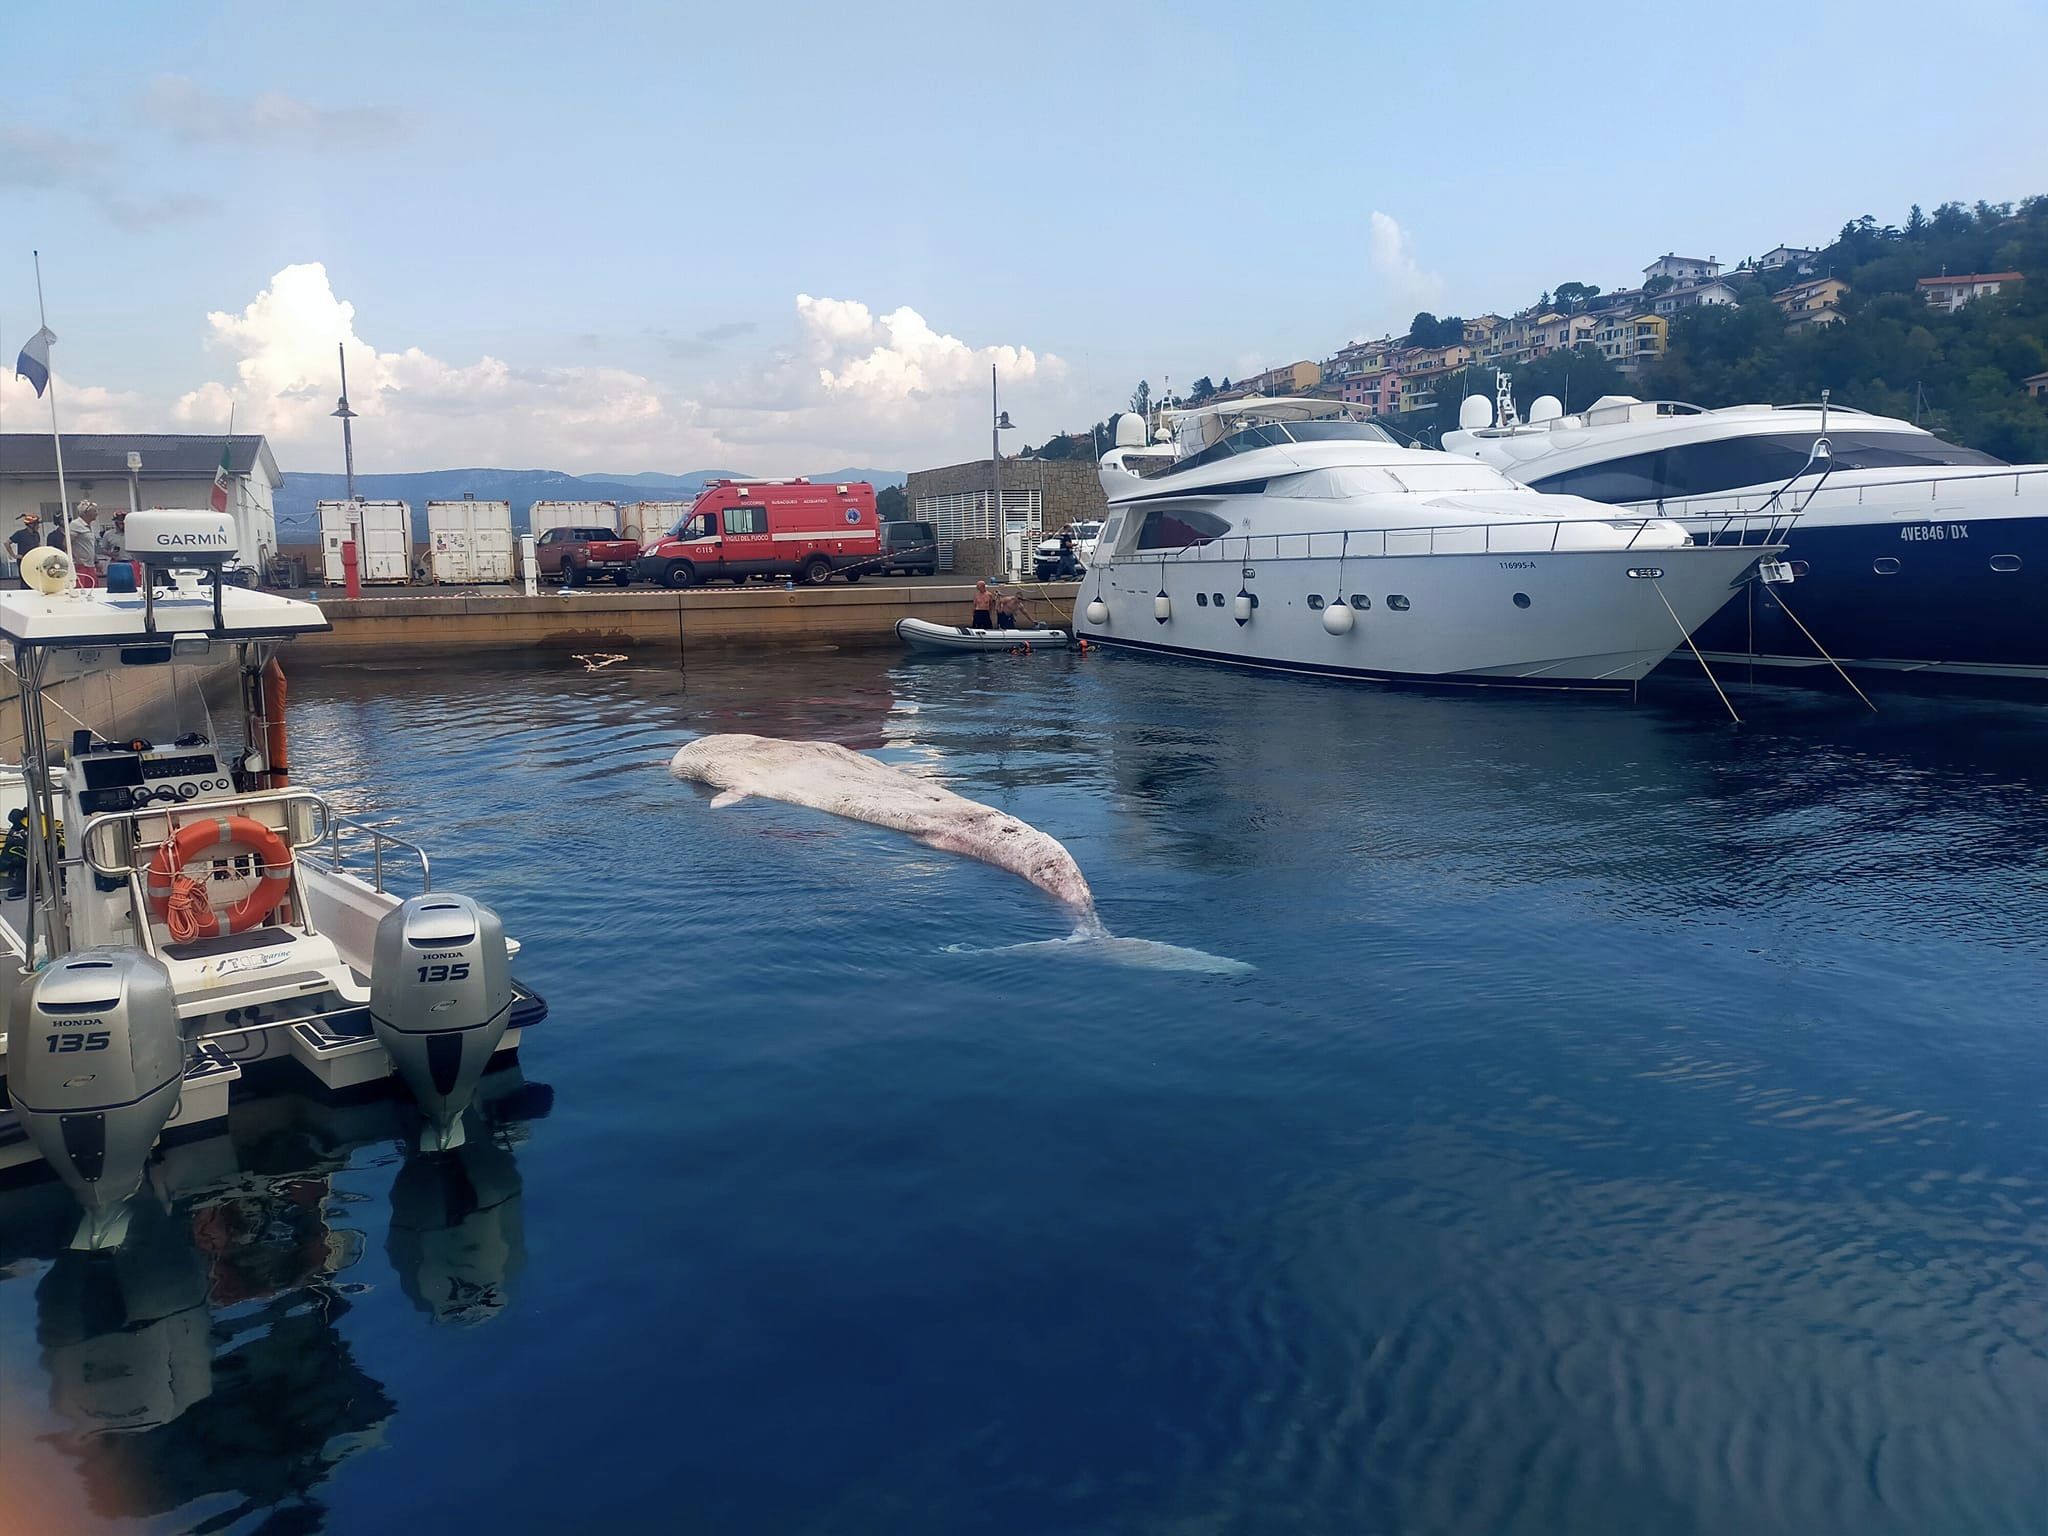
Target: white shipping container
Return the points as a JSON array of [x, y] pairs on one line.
[[649, 520], [469, 542], [543, 515], [385, 553]]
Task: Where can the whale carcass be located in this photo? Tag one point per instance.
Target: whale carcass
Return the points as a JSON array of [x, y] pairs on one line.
[[827, 777]]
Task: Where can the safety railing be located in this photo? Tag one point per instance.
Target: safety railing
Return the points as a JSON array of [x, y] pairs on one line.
[[1531, 536], [135, 818], [1840, 491], [337, 857], [139, 837]]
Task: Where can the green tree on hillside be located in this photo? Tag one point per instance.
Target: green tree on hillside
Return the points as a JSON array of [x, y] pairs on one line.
[[1960, 373]]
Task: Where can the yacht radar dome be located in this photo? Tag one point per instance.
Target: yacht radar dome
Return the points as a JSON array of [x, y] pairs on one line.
[[1130, 430], [1545, 408], [1475, 413]]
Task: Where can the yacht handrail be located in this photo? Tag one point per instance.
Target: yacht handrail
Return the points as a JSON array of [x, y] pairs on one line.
[[1837, 486], [1520, 536]]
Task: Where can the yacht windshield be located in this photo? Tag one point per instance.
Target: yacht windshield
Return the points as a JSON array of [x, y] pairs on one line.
[[1738, 463], [1273, 434]]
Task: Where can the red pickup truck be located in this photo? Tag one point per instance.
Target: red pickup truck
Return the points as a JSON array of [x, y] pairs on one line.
[[574, 556]]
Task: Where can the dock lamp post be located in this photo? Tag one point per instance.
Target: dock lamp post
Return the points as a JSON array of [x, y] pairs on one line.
[[999, 423], [351, 567]]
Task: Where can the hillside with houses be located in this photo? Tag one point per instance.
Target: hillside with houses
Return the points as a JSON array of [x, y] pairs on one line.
[[1933, 319]]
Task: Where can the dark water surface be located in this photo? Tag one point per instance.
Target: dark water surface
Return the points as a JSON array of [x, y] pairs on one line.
[[1632, 1125]]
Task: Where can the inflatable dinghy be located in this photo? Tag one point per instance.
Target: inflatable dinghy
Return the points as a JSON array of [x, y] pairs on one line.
[[923, 635]]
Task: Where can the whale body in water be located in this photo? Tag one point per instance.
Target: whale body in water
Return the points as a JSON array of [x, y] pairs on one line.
[[827, 777]]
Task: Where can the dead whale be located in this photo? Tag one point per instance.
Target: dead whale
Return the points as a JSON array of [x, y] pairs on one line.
[[827, 777]]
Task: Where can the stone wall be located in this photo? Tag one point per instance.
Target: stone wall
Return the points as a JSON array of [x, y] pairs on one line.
[[756, 616], [974, 559]]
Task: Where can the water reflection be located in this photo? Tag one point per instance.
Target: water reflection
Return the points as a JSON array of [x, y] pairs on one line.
[[456, 1234], [208, 1358]]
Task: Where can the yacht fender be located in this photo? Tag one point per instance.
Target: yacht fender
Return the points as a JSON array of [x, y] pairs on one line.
[[440, 998], [96, 1067]]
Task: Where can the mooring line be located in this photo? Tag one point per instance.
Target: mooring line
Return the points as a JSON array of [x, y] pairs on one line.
[[1845, 677], [1658, 588]]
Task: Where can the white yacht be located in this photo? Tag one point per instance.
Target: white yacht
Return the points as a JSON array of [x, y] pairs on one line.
[[1275, 533], [1912, 554], [178, 912]]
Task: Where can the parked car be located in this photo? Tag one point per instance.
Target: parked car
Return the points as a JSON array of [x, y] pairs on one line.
[[912, 548], [739, 529], [1045, 563], [577, 556]]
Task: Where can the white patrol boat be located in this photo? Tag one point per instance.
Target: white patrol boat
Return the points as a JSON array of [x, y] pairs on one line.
[[180, 913]]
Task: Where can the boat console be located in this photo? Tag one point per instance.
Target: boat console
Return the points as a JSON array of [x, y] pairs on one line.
[[127, 776]]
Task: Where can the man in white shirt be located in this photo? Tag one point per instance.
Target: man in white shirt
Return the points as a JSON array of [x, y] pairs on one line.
[[85, 553]]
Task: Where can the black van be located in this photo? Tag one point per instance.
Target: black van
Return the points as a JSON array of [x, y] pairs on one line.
[[909, 547]]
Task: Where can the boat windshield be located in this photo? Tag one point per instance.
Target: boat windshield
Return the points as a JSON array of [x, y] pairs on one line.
[[1274, 434], [1738, 463]]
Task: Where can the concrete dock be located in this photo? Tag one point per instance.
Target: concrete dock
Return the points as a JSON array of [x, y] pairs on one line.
[[641, 619]]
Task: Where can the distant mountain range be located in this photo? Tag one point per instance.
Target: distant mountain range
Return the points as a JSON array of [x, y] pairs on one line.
[[298, 499]]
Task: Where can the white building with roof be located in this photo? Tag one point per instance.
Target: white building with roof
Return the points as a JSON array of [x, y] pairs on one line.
[[1682, 269], [176, 470]]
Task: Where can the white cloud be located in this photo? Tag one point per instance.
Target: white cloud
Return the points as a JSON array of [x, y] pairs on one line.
[[1402, 284], [847, 387], [417, 410], [40, 161], [887, 389], [190, 113], [80, 407]]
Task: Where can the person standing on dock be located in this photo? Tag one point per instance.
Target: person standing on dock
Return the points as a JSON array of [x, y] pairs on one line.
[[85, 543], [25, 538], [984, 605]]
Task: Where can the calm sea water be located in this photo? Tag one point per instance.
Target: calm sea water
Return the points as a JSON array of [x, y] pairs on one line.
[[1632, 1124]]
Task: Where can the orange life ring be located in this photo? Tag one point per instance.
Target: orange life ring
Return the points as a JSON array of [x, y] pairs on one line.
[[180, 902]]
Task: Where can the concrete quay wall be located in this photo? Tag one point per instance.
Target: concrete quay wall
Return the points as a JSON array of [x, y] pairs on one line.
[[634, 621]]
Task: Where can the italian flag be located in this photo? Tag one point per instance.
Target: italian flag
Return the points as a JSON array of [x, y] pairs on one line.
[[220, 481]]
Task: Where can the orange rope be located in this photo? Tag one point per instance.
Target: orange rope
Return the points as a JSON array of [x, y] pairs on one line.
[[189, 908]]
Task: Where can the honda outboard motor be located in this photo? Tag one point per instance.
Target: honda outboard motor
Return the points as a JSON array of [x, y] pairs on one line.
[[95, 1067], [440, 997]]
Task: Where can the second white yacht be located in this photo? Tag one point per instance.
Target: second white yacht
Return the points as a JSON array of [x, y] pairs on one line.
[[1912, 554], [1280, 535]]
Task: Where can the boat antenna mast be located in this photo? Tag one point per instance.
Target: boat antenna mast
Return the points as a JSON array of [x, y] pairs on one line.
[[1504, 399]]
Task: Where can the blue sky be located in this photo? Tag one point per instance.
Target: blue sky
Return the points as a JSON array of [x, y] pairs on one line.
[[789, 237]]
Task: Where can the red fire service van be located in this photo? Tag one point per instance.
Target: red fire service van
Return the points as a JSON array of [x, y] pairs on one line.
[[739, 529]]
